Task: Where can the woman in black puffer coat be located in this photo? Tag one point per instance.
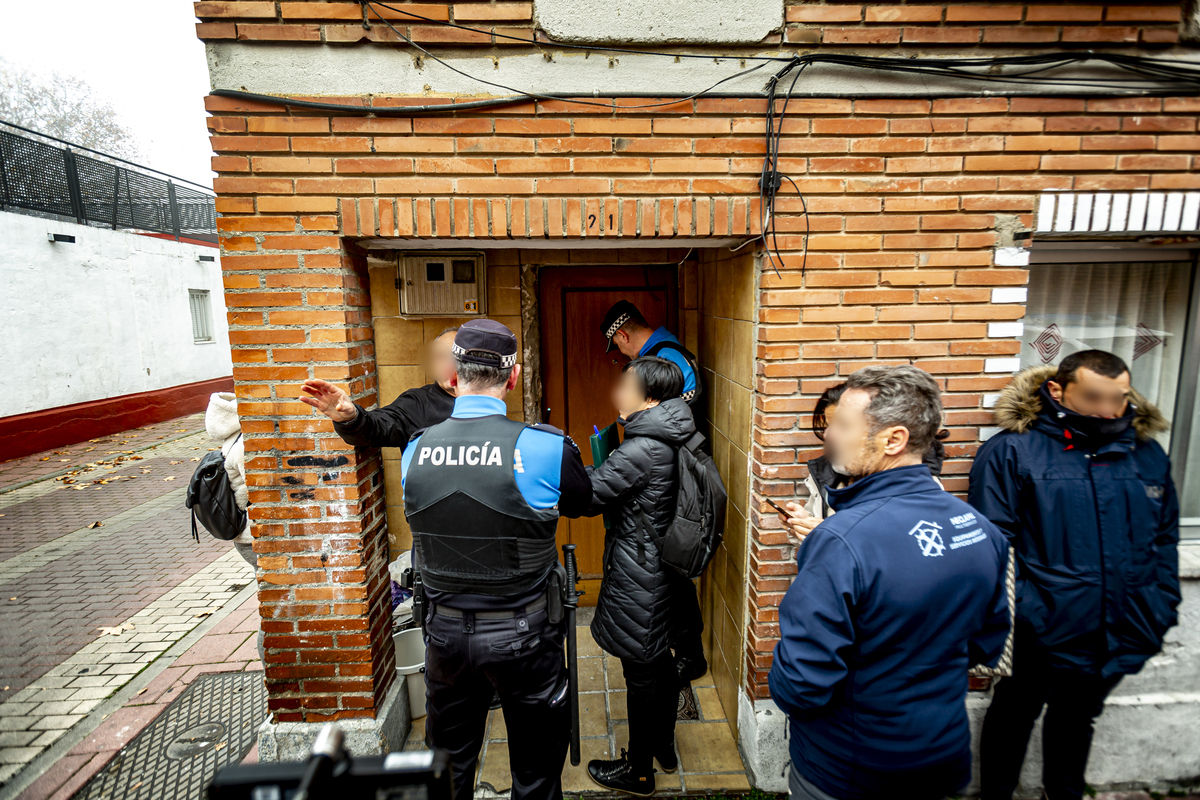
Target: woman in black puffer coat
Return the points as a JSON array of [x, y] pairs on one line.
[[636, 487]]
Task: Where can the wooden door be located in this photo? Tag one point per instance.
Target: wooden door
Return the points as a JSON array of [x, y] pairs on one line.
[[577, 375]]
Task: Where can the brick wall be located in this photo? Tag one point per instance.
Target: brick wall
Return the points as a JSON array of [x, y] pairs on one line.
[[907, 201], [832, 24]]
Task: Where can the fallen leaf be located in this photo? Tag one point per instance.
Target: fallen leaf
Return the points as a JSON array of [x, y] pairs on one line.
[[218, 746], [116, 630], [6, 688], [12, 598], [195, 458], [65, 460], [96, 525], [143, 690], [176, 462], [203, 614], [47, 458], [78, 488], [170, 478]]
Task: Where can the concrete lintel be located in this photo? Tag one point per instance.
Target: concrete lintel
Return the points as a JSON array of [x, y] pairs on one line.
[[292, 741], [348, 71]]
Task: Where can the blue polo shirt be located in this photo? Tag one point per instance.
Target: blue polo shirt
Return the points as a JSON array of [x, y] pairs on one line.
[[672, 355]]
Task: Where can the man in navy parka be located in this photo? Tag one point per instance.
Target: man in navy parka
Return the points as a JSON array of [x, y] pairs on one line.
[[897, 594], [1085, 495]]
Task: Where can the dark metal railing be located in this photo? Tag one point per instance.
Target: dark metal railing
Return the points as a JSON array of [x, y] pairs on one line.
[[41, 179]]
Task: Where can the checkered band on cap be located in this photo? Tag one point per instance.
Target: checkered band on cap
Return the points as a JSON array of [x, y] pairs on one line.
[[503, 362], [617, 323]]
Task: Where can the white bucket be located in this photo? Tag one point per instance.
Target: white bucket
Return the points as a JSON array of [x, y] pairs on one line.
[[410, 662]]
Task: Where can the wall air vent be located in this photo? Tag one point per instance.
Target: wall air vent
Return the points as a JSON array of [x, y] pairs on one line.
[[442, 284]]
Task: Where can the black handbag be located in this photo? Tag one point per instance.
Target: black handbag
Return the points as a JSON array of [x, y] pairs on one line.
[[211, 499]]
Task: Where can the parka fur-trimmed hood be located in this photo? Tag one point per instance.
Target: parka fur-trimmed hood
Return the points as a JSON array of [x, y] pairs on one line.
[[1019, 404]]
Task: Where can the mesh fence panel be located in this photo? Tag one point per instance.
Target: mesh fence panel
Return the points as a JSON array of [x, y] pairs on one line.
[[44, 179], [34, 175]]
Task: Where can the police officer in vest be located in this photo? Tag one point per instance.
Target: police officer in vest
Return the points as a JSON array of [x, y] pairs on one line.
[[627, 330], [483, 495]]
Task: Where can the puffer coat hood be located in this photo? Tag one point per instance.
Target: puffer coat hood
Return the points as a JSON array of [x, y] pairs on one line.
[[1021, 402], [635, 488], [1093, 516]]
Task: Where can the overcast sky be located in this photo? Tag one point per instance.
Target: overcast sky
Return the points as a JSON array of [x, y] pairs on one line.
[[142, 55]]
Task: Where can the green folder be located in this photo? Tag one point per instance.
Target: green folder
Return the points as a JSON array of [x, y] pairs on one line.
[[602, 446]]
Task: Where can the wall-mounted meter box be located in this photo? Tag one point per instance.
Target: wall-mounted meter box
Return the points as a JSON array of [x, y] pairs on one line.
[[442, 284]]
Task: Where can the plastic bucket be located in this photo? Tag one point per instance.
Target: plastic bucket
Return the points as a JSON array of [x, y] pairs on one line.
[[410, 662]]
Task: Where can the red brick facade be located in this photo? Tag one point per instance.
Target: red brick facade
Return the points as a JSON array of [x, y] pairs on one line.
[[907, 201]]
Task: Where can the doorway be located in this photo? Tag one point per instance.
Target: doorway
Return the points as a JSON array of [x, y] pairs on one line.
[[577, 374]]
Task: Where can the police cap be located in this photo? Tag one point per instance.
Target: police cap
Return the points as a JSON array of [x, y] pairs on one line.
[[621, 312], [487, 342]]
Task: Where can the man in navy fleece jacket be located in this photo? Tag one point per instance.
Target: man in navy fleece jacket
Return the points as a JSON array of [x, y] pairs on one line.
[[897, 594]]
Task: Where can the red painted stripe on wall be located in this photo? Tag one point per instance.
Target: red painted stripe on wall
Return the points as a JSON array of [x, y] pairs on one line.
[[23, 434]]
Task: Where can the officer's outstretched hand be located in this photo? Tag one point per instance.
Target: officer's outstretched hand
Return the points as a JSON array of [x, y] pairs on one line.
[[800, 523], [328, 399]]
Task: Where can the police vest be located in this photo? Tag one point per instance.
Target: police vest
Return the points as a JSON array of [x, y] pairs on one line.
[[692, 398], [473, 532]]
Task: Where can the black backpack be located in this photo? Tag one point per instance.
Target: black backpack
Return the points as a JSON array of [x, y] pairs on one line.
[[694, 535], [210, 497]]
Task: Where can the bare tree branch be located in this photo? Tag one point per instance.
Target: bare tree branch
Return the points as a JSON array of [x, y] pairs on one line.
[[63, 106]]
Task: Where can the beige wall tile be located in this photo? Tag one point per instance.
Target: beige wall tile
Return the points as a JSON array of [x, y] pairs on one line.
[[721, 455], [741, 412], [504, 300], [742, 281], [398, 530], [722, 362], [741, 352], [689, 282], [399, 342], [720, 412], [504, 276], [691, 330], [394, 381], [738, 485], [385, 297]]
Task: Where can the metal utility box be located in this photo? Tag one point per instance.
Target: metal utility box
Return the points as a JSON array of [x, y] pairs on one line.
[[442, 284]]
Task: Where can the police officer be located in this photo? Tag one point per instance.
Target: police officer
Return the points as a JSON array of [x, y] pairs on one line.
[[627, 330], [483, 495]]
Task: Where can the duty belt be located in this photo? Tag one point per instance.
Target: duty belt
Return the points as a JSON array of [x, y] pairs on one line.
[[457, 613]]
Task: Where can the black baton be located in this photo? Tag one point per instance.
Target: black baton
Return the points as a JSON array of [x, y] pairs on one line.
[[570, 602]]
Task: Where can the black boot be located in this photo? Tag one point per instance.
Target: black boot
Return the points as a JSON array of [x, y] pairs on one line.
[[622, 776], [667, 760]]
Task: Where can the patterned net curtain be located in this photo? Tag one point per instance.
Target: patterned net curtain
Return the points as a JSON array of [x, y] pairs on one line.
[[1137, 310]]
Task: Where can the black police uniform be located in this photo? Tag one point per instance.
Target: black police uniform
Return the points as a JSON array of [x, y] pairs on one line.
[[483, 495]]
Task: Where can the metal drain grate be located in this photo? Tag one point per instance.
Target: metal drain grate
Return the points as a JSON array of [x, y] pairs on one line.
[[209, 726], [688, 708]]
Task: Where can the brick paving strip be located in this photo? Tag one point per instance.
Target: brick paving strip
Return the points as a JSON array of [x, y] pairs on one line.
[[43, 712]]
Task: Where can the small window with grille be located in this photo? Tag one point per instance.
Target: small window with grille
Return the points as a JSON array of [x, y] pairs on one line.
[[201, 315]]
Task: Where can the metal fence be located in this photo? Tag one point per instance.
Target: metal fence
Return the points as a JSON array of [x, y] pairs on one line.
[[41, 179]]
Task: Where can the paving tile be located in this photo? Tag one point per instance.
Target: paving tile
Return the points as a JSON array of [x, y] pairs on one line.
[[735, 782], [200, 669], [707, 747], [576, 779], [54, 777], [17, 738], [160, 684], [85, 773], [593, 718], [617, 706], [120, 727], [495, 771], [18, 755], [710, 704]]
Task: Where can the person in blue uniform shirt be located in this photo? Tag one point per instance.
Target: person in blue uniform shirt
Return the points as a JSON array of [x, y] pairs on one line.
[[897, 595], [627, 330], [483, 494]]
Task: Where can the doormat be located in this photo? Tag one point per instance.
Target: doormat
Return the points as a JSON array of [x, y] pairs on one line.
[[211, 725], [688, 707]]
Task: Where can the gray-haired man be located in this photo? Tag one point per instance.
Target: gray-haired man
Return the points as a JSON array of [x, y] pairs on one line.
[[898, 593]]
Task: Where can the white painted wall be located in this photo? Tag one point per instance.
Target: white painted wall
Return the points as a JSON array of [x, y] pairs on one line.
[[1147, 737], [659, 21], [104, 317]]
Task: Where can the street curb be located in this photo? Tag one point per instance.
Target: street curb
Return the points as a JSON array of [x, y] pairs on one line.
[[47, 758], [51, 476]]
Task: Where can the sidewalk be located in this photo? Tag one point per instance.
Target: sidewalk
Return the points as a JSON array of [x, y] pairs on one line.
[[89, 611]]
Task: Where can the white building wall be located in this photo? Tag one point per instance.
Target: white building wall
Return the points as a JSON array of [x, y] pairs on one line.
[[103, 317], [1147, 737]]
